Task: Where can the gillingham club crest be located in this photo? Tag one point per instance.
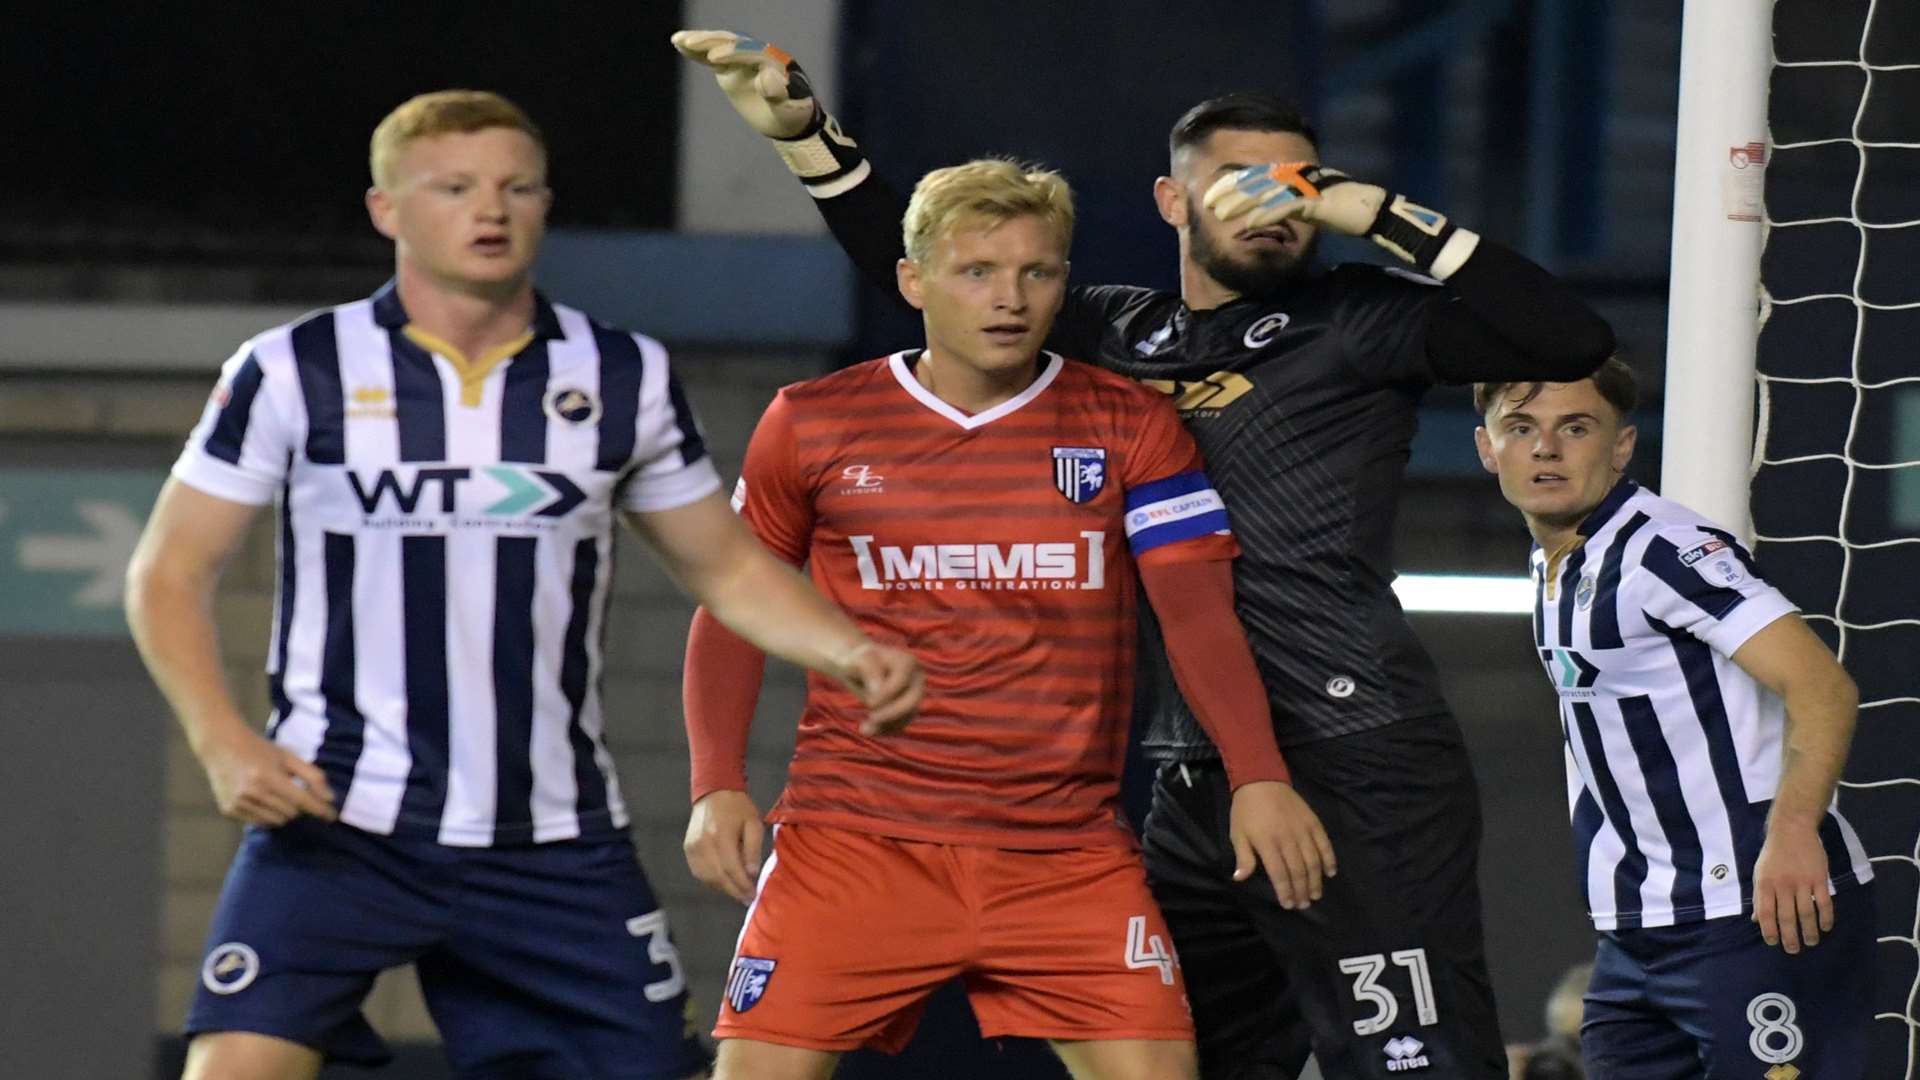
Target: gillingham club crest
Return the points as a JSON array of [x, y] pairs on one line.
[[1079, 472], [747, 982]]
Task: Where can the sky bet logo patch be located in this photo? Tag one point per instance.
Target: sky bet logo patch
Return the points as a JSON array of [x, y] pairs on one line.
[[1700, 551]]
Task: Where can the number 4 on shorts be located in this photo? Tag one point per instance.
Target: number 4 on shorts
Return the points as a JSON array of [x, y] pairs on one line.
[[1146, 950]]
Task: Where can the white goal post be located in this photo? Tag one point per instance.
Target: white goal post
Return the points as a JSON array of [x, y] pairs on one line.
[[1713, 307]]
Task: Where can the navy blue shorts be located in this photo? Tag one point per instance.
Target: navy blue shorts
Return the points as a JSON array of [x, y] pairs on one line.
[[1712, 999], [546, 961]]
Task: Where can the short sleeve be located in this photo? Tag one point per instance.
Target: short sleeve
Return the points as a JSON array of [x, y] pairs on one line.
[[670, 445], [771, 496], [242, 446], [1172, 511], [1704, 583], [1381, 315]]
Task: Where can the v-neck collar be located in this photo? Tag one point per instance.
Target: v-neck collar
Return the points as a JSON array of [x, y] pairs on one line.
[[904, 375]]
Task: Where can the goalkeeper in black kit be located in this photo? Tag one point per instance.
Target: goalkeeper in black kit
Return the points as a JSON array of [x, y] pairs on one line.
[[1301, 385]]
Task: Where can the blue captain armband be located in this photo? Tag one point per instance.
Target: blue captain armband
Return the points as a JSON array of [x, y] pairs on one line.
[[1179, 507]]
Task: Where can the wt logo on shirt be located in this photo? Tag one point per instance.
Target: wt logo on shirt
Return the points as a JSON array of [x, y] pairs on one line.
[[1571, 673], [518, 491]]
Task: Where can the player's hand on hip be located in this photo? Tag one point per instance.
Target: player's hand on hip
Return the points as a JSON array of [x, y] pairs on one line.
[[1790, 898], [1261, 195], [725, 836], [890, 684], [765, 84], [1273, 827], [263, 783]]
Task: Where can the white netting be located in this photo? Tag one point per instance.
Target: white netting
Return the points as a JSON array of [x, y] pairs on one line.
[[1836, 495]]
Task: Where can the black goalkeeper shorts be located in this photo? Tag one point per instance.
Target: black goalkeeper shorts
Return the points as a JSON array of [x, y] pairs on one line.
[[1386, 974]]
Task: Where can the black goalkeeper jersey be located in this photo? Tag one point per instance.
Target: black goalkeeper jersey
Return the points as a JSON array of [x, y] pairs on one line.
[[1304, 404]]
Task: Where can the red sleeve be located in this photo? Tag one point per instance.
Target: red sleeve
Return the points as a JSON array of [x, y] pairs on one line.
[[772, 496], [1161, 446], [720, 682], [719, 689], [1214, 666], [1172, 512]]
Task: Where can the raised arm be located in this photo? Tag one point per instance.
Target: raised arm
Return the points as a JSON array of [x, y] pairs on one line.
[[1506, 319], [773, 95], [862, 210]]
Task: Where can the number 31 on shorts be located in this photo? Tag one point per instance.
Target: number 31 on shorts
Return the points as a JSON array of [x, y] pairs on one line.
[[1366, 972]]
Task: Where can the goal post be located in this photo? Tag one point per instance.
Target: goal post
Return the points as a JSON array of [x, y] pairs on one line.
[[1713, 308]]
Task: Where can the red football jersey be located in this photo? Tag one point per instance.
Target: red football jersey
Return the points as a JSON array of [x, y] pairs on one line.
[[999, 549]]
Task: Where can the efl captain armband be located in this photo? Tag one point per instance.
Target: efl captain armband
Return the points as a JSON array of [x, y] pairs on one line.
[[1421, 236], [823, 157]]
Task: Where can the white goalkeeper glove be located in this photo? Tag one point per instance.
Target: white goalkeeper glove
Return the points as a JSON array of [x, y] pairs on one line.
[[771, 93], [1263, 194]]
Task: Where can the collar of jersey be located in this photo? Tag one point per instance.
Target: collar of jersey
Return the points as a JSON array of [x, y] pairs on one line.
[[904, 374], [391, 314]]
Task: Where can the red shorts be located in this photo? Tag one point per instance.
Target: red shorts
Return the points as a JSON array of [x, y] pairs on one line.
[[850, 932]]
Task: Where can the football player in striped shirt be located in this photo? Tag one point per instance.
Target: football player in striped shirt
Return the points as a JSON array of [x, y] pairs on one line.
[[449, 459], [987, 505], [1705, 727]]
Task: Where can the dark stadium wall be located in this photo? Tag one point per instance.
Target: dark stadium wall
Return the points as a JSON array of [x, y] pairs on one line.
[[82, 763], [161, 129]]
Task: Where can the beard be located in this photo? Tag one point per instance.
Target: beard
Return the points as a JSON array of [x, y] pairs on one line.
[[1261, 273]]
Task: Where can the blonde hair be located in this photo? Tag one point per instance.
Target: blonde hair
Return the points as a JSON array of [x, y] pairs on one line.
[[443, 112], [985, 192]]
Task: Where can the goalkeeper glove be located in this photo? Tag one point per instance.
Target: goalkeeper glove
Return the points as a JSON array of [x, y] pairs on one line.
[[769, 91], [1263, 194]]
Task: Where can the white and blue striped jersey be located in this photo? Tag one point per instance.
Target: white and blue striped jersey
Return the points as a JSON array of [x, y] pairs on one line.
[[445, 555], [1673, 751]]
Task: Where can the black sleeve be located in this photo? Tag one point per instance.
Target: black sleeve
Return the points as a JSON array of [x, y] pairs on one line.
[[1506, 318], [865, 221]]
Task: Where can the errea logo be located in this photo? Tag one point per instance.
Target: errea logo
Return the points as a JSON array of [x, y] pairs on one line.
[[1405, 1054]]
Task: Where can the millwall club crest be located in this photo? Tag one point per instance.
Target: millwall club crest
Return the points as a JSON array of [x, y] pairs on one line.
[[1079, 472], [747, 982]]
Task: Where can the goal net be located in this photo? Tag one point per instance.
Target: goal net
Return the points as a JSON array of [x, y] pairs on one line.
[[1836, 495]]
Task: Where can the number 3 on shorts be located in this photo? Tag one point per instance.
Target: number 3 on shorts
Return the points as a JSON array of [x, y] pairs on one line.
[[1366, 971], [660, 950], [1146, 950]]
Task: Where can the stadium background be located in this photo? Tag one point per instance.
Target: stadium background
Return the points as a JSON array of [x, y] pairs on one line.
[[181, 176]]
